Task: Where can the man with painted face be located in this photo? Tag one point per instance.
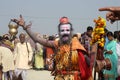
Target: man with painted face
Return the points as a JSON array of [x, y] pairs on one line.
[[70, 63], [65, 30]]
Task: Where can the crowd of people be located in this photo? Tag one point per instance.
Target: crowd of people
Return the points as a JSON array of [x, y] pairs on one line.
[[68, 56]]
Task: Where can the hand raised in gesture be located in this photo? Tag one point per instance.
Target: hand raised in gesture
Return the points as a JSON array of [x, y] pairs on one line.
[[113, 13], [21, 22]]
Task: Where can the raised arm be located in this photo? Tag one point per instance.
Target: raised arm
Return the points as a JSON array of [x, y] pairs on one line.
[[33, 35]]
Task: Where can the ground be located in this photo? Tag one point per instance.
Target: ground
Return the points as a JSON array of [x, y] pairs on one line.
[[39, 75]]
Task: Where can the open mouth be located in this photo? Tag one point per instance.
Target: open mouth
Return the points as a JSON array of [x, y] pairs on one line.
[[65, 37]]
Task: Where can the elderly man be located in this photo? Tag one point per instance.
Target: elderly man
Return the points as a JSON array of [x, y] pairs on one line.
[[22, 56], [70, 62]]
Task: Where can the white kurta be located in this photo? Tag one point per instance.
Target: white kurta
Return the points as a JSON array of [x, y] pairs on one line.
[[6, 59], [21, 55]]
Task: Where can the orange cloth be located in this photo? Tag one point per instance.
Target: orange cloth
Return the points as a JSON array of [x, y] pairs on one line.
[[75, 45], [84, 69], [49, 52]]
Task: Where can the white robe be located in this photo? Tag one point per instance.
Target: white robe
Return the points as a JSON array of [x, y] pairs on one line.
[[21, 55], [6, 59]]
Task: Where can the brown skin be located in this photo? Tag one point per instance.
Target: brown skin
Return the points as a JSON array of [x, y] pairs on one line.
[[22, 38], [110, 38], [89, 33], [113, 13], [21, 22]]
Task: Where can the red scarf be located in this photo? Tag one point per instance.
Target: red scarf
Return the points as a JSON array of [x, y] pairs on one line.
[[84, 69]]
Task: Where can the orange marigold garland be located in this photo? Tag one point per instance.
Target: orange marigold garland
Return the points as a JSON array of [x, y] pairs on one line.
[[98, 32]]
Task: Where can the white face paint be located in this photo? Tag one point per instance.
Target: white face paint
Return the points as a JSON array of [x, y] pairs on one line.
[[65, 32], [65, 29]]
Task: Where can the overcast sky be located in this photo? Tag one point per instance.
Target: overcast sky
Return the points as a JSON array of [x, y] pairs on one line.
[[45, 14]]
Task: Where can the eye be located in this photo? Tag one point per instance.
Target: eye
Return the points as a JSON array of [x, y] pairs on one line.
[[62, 30], [68, 30]]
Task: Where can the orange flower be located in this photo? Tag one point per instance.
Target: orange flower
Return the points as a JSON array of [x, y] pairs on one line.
[[98, 31]]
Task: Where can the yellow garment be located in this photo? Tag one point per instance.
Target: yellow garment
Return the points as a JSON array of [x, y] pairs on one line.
[[8, 43], [39, 62]]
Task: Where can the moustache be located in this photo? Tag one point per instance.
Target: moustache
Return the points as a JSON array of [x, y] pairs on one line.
[[65, 35]]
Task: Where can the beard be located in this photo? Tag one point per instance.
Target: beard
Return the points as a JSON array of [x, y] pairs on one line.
[[65, 39]]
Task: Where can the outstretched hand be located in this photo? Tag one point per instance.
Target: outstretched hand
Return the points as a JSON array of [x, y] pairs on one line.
[[113, 14], [21, 22]]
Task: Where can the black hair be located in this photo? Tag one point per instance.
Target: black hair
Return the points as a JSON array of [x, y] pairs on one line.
[[110, 34], [51, 38], [21, 34], [1, 38], [89, 28], [116, 35], [106, 30]]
